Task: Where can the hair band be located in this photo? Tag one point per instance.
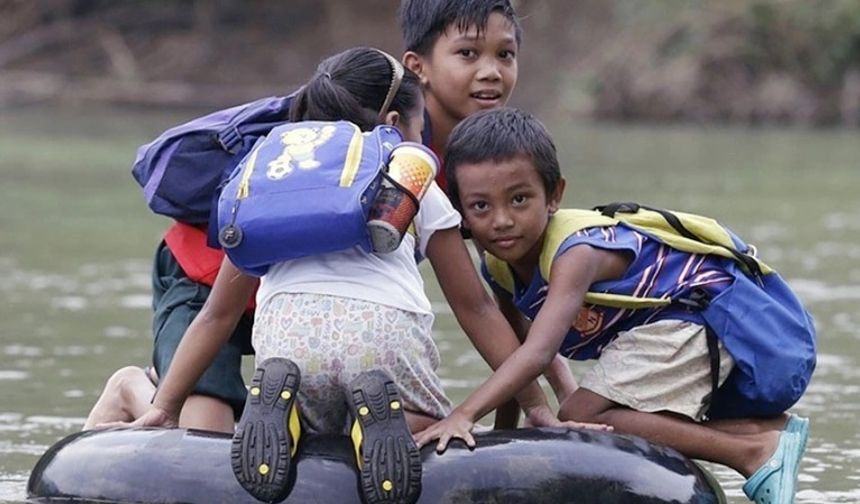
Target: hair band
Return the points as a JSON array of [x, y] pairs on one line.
[[396, 78]]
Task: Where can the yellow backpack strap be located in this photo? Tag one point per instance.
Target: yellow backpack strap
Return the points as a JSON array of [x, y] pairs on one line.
[[625, 302], [687, 232], [563, 224], [567, 222], [500, 272]]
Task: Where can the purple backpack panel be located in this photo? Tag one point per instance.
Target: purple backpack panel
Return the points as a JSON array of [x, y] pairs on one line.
[[182, 170]]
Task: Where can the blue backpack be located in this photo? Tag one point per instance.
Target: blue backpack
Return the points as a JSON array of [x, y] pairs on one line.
[[304, 189], [181, 170]]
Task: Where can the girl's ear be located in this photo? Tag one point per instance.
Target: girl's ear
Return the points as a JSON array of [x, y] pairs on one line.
[[392, 118], [413, 61], [554, 201]]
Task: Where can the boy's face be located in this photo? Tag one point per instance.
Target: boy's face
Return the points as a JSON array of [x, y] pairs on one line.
[[465, 73], [506, 208]]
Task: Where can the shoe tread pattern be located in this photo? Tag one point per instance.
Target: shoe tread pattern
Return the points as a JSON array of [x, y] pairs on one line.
[[262, 434], [389, 452]]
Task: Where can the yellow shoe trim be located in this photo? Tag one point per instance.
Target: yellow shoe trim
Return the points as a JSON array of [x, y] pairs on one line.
[[395, 405], [285, 395], [357, 438], [255, 391], [263, 469], [363, 411], [387, 485], [295, 426]]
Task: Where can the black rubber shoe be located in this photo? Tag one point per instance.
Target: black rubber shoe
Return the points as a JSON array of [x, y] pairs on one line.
[[268, 432], [388, 459]]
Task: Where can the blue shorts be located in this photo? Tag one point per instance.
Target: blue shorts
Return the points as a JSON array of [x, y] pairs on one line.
[[176, 300]]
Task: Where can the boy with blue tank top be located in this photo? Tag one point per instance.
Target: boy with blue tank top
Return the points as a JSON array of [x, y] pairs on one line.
[[698, 344]]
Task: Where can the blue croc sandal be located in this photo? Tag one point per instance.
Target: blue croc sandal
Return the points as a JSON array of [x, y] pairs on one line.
[[774, 481], [800, 426], [268, 433]]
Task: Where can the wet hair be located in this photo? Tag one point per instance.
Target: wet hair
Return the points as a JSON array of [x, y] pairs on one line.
[[424, 21], [353, 86], [500, 135]]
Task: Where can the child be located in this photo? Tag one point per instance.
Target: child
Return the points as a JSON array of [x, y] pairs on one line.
[[465, 53], [595, 287], [465, 56]]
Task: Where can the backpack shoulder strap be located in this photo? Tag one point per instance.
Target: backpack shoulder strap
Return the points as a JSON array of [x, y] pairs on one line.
[[687, 232], [563, 224]]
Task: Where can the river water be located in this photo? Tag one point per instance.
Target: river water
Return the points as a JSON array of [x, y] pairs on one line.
[[76, 243]]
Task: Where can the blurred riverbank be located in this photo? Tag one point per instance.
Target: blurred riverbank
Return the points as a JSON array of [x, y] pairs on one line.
[[708, 61]]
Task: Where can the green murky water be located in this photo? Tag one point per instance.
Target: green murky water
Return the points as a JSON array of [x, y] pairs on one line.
[[76, 243]]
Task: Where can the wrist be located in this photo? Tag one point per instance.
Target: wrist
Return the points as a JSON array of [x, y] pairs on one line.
[[532, 398], [466, 412], [170, 407]]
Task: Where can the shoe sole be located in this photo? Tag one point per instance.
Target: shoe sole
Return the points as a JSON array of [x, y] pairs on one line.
[[262, 444], [390, 471]]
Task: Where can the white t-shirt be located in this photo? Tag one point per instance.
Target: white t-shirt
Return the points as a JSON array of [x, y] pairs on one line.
[[391, 279]]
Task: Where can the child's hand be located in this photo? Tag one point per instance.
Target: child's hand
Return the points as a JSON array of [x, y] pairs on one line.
[[153, 417], [542, 416], [570, 424], [456, 425]]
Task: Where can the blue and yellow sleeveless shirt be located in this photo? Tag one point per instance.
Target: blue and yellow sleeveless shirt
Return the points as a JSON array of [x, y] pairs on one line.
[[657, 271]]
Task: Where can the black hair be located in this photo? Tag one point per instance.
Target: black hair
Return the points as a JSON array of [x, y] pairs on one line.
[[499, 135], [423, 21], [352, 86]]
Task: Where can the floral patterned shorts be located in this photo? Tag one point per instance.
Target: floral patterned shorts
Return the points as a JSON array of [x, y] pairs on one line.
[[333, 339]]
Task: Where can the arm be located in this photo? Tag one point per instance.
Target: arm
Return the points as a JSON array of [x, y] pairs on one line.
[[477, 314], [558, 374], [202, 341], [560, 378], [572, 274], [508, 414]]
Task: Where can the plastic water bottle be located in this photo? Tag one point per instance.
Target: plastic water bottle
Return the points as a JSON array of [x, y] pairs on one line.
[[411, 169]]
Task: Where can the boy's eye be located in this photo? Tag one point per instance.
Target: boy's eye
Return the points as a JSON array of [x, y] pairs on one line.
[[467, 53], [519, 199], [479, 206], [507, 54]]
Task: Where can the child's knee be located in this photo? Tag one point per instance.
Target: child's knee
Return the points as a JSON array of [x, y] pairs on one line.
[[124, 383], [585, 406], [122, 377]]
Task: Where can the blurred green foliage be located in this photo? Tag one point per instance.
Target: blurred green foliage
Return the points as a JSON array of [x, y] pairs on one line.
[[818, 40]]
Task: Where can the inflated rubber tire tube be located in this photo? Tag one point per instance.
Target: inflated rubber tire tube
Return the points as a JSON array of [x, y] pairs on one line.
[[523, 465]]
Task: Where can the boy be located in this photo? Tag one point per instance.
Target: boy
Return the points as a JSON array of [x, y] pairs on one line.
[[598, 288], [465, 53]]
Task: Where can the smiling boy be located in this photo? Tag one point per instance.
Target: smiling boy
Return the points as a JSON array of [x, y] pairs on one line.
[[465, 54], [699, 345]]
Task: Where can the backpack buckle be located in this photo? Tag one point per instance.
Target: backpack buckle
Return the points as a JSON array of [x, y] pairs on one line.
[[230, 139], [612, 208], [699, 299]]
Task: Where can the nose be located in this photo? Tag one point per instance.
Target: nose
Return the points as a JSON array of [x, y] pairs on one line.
[[489, 69], [502, 219]]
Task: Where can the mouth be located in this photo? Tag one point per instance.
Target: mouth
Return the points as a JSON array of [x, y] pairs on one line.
[[487, 97], [505, 242]]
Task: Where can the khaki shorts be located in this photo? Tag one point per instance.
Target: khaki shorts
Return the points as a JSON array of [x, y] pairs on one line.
[[662, 366], [332, 339]]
